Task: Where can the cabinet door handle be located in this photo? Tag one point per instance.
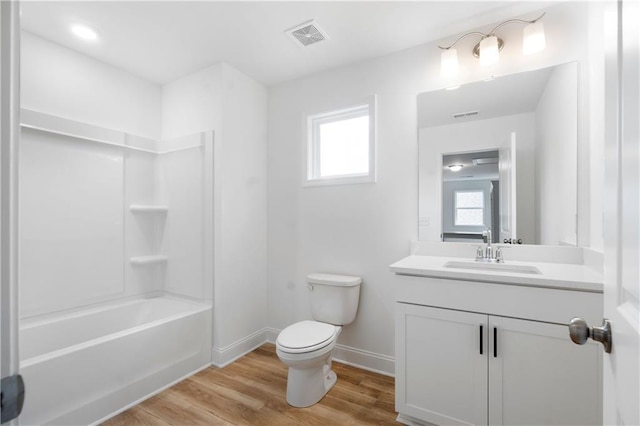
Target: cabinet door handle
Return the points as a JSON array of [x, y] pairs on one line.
[[495, 342], [481, 343]]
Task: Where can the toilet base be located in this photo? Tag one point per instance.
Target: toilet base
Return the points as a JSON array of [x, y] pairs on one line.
[[307, 386]]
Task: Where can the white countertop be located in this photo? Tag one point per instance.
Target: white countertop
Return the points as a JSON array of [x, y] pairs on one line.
[[569, 276]]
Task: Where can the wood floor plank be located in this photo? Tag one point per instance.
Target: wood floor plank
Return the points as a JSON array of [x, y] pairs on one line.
[[252, 391], [137, 416]]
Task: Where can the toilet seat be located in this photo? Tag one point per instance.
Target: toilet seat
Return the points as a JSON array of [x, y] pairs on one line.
[[306, 336]]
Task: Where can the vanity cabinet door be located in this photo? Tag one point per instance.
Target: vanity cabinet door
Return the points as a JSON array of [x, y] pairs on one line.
[[538, 376], [441, 365]]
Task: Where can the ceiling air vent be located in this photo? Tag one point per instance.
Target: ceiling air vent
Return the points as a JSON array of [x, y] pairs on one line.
[[465, 114], [306, 34], [487, 160]]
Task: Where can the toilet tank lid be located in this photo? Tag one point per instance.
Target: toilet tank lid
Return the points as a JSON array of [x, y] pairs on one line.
[[332, 279]]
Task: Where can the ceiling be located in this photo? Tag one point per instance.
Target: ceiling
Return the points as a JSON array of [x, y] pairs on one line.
[[507, 95], [165, 40], [469, 170]]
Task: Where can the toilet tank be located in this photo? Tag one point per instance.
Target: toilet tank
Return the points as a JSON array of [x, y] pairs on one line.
[[334, 298]]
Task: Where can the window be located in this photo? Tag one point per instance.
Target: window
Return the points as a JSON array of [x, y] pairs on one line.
[[469, 208], [341, 146]]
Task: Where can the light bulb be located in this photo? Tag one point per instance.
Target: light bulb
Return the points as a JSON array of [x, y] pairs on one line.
[[489, 53], [533, 39], [455, 167], [449, 63]]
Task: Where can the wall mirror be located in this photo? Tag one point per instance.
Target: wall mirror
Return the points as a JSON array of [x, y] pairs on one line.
[[501, 154]]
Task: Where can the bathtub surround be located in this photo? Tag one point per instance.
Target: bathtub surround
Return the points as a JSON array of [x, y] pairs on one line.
[[62, 82], [131, 222], [114, 263], [109, 357]]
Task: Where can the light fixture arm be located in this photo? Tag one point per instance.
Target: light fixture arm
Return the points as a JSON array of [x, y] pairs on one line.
[[511, 21], [483, 35], [490, 33]]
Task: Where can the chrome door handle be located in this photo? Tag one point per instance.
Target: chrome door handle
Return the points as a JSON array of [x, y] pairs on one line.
[[580, 333]]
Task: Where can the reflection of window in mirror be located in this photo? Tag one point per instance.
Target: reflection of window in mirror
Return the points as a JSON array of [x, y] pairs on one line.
[[469, 208]]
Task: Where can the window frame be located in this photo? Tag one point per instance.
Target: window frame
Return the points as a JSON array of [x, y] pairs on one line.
[[456, 208], [312, 144]]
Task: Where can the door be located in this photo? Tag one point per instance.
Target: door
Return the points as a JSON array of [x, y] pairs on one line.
[[507, 173], [441, 365], [621, 210], [9, 132], [536, 375]]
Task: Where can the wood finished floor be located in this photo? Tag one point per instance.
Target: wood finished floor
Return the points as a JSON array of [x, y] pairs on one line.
[[251, 391]]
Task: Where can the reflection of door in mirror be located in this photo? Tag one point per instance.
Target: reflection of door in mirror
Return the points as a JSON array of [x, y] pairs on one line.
[[508, 198], [470, 196]]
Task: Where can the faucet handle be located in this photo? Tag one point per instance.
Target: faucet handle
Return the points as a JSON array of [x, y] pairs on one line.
[[479, 253], [499, 257]]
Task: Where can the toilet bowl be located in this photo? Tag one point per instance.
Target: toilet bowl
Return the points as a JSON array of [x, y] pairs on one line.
[[306, 347]]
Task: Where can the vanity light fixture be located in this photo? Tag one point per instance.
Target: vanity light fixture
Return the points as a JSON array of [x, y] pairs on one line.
[[455, 167], [490, 45]]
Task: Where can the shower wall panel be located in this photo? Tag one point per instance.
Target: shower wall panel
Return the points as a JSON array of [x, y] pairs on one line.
[[187, 189], [143, 232], [71, 218]]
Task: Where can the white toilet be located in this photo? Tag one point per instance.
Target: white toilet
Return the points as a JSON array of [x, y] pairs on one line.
[[306, 347]]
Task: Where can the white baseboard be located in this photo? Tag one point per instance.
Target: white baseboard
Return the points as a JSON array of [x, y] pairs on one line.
[[221, 357], [410, 421], [371, 361], [272, 334], [378, 363]]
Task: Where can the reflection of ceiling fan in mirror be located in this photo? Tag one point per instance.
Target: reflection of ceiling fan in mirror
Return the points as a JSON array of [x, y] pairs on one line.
[[481, 165]]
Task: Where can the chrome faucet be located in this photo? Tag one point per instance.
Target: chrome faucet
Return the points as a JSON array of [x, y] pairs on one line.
[[488, 250], [488, 254]]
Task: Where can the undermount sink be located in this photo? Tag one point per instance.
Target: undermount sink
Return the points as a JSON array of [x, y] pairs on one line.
[[494, 267]]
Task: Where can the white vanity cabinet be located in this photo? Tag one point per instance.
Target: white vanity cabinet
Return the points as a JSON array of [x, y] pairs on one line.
[[456, 367], [537, 375], [494, 348], [441, 377]]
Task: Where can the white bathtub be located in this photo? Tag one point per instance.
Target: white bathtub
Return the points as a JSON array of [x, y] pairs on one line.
[[82, 367]]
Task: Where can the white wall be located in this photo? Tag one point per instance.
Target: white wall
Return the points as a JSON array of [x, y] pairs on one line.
[[225, 100], [361, 229], [192, 103], [347, 229], [556, 159], [59, 81]]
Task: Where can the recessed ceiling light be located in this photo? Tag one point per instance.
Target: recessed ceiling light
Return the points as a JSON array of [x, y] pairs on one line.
[[455, 167], [84, 32]]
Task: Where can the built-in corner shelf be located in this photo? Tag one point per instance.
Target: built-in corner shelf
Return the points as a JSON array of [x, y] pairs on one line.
[[143, 208], [148, 260]]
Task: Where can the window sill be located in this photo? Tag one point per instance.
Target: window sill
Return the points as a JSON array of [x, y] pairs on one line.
[[339, 181]]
